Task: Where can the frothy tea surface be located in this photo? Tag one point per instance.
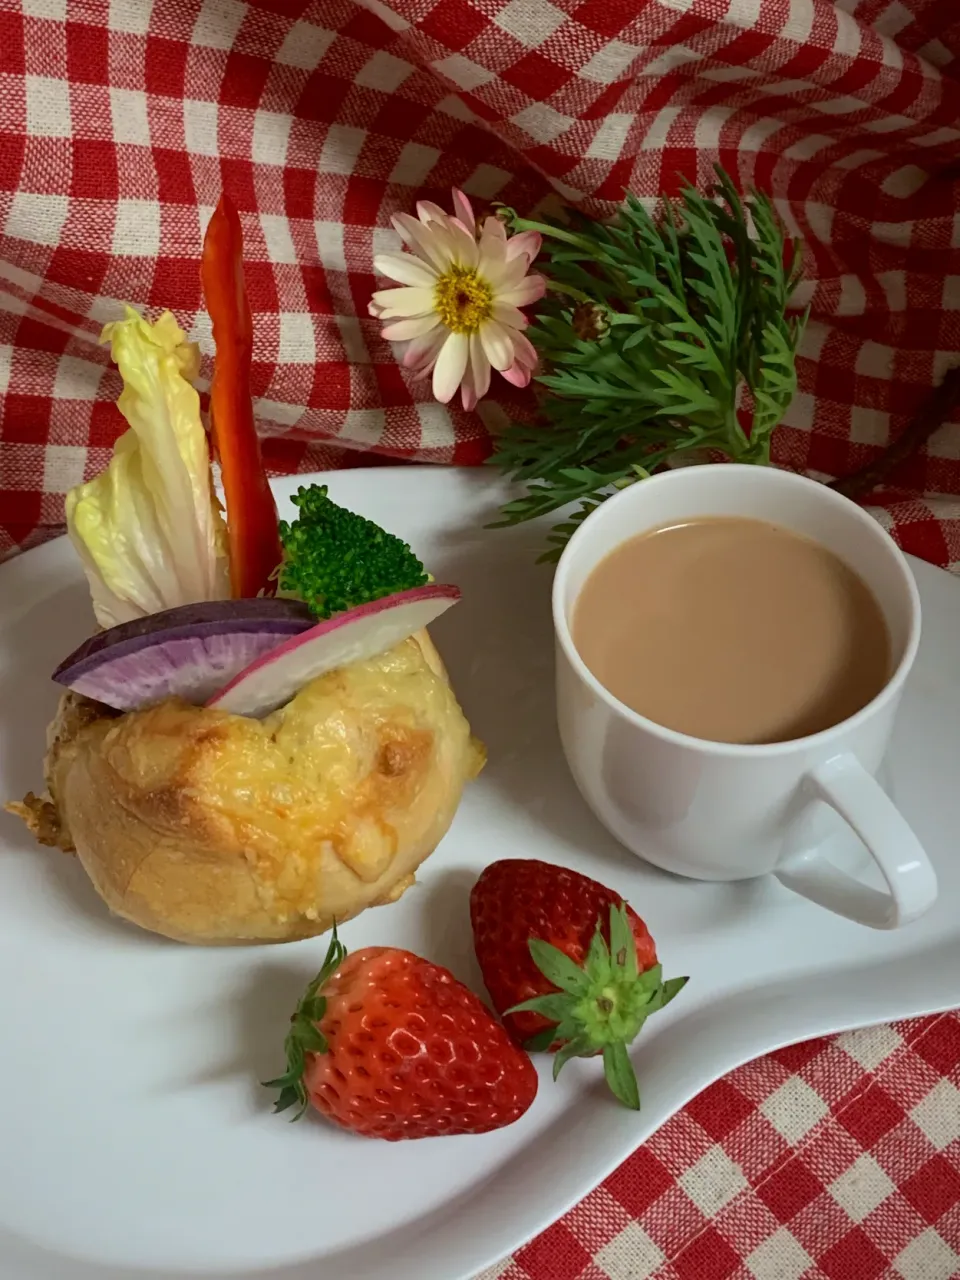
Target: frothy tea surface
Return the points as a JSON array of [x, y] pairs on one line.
[[733, 630]]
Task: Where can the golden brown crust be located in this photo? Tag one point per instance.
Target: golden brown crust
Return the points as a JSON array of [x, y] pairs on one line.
[[215, 828], [43, 819]]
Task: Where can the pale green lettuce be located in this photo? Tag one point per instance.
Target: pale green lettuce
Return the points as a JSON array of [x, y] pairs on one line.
[[149, 529]]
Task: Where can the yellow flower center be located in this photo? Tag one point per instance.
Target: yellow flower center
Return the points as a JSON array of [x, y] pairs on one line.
[[463, 299]]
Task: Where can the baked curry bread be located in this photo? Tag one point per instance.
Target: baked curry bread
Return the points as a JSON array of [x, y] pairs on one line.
[[214, 828], [260, 738]]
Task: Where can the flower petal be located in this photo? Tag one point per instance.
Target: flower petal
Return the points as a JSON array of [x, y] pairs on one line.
[[463, 209], [508, 316], [422, 352], [405, 268], [479, 367], [502, 272], [424, 241], [525, 351], [493, 229], [530, 289], [527, 243], [428, 212], [517, 375], [450, 366], [401, 330], [447, 239], [497, 345], [404, 302], [515, 270], [465, 251], [493, 248], [468, 389]]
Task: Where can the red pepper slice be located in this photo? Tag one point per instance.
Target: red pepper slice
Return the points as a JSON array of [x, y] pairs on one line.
[[254, 539]]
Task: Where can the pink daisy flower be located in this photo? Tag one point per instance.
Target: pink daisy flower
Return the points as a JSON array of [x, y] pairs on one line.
[[458, 309]]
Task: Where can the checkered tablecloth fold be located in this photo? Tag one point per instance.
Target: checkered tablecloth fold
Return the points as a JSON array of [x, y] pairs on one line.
[[121, 123]]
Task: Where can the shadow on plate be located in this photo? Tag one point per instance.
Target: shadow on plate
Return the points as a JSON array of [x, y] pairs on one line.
[[252, 1019], [444, 925], [253, 1016], [32, 648], [68, 882]]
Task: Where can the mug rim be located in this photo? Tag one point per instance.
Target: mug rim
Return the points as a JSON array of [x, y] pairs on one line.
[[741, 750]]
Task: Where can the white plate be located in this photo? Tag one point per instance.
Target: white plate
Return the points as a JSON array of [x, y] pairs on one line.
[[135, 1141]]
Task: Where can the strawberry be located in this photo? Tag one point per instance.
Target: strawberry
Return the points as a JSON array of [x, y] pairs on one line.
[[568, 965], [392, 1046]]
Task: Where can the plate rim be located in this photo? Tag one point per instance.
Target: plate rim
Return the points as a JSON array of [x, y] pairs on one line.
[[481, 1258]]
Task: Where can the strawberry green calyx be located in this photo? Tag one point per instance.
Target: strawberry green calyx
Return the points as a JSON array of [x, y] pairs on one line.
[[600, 1007], [305, 1035]]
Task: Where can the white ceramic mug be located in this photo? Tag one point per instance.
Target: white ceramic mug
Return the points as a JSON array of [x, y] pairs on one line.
[[719, 811]]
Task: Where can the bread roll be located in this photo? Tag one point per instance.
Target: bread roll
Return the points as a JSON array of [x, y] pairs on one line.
[[213, 828]]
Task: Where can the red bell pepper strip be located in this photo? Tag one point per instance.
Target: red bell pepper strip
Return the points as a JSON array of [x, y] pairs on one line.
[[253, 537]]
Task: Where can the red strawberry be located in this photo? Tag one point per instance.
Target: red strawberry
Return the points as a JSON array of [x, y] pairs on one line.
[[392, 1046], [568, 965]]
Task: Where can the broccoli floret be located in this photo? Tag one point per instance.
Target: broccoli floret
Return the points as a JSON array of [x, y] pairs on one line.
[[334, 559]]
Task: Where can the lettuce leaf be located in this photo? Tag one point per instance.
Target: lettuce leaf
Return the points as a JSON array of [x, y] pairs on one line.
[[149, 529]]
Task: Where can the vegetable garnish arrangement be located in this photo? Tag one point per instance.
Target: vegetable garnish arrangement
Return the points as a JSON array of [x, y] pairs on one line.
[[251, 512], [261, 738], [260, 741], [335, 559], [148, 528]]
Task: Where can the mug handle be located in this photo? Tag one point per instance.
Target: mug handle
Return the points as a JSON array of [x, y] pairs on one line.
[[845, 785]]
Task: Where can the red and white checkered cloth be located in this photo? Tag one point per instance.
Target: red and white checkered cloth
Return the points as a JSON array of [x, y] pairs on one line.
[[832, 1160], [121, 121]]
